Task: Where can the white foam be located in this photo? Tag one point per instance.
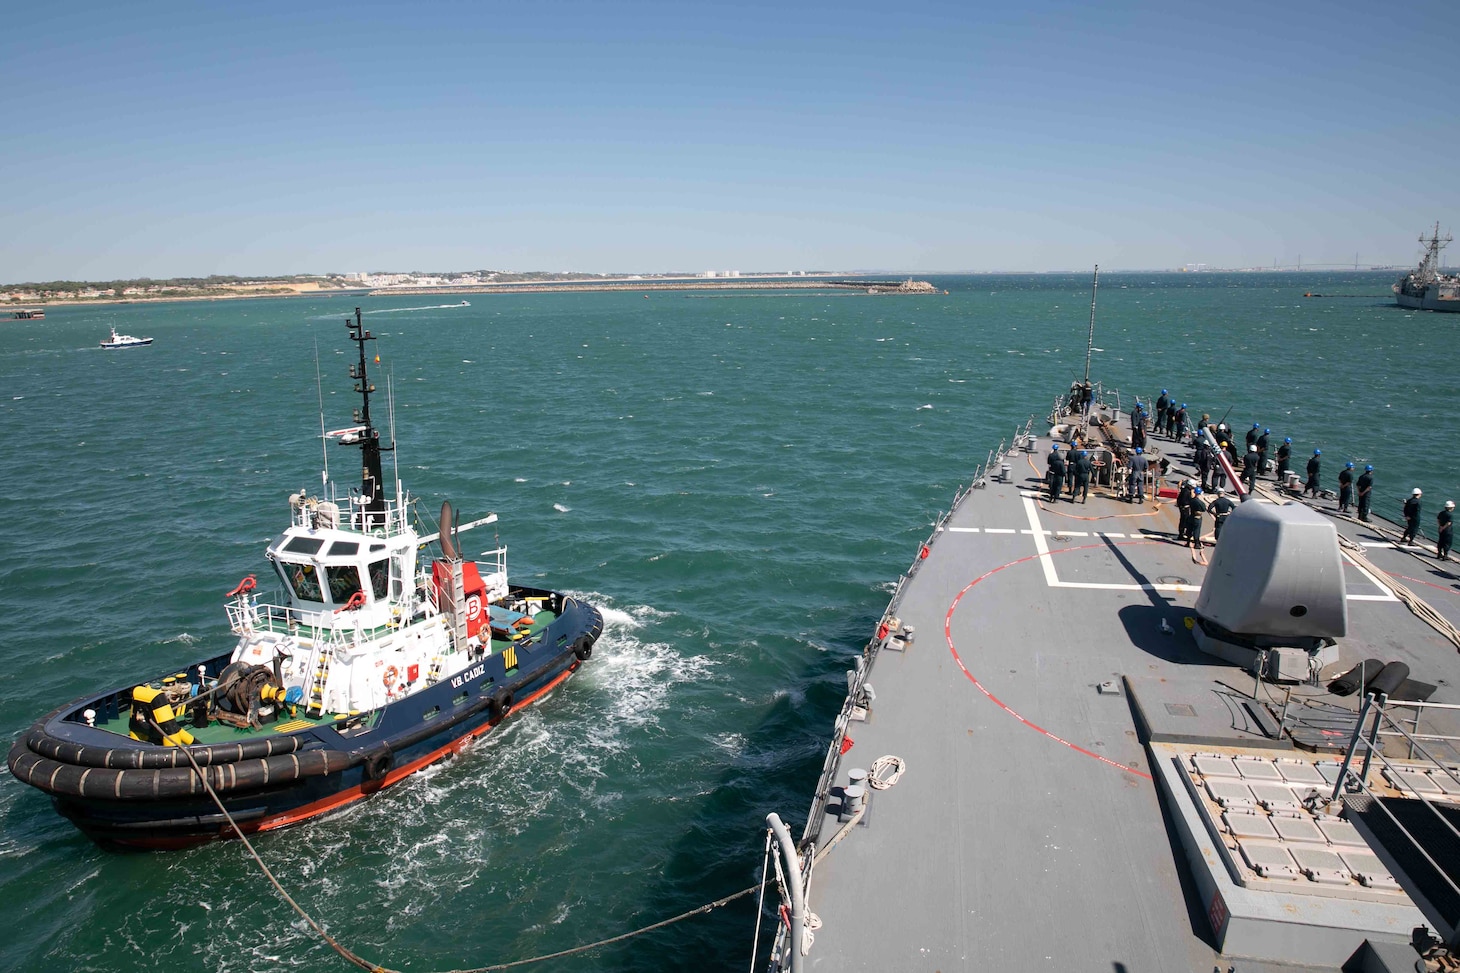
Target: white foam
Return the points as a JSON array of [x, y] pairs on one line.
[[562, 509]]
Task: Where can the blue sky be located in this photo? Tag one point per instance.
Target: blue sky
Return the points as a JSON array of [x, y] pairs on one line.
[[190, 139]]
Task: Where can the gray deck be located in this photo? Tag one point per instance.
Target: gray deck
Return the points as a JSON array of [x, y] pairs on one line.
[[1027, 832]]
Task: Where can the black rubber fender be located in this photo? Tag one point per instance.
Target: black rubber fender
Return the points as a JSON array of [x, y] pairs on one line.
[[103, 783], [150, 757], [501, 703], [583, 648], [378, 763]]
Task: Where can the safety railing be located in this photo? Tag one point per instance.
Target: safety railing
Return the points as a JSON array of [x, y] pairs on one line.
[[1366, 746]]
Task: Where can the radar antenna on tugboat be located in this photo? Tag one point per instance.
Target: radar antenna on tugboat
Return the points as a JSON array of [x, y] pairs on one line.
[[371, 490]]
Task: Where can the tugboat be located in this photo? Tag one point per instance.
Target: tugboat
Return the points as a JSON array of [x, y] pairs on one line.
[[361, 668], [1425, 288], [124, 341]]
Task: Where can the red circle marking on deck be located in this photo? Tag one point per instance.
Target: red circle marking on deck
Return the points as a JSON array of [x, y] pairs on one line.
[[948, 636]]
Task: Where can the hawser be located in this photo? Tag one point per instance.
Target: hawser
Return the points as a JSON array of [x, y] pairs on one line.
[[361, 668]]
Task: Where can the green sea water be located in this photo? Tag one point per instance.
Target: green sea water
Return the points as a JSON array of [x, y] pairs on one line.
[[736, 479]]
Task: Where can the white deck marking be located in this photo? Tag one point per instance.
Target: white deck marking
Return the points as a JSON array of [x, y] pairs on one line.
[[1388, 595], [1052, 579], [962, 530], [999, 530], [1040, 545]]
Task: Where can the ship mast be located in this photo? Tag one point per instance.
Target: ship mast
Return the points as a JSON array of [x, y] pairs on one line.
[[1429, 267], [1090, 342], [368, 438]]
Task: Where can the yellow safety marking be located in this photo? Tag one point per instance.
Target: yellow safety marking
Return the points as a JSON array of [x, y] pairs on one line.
[[509, 657], [293, 725]]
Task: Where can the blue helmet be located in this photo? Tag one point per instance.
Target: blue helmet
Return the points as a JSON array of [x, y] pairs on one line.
[[1163, 391], [1266, 431], [1139, 450], [1317, 452], [1287, 439], [1348, 466], [1082, 452], [1054, 448], [1368, 469], [1197, 490], [1183, 405], [1256, 424]]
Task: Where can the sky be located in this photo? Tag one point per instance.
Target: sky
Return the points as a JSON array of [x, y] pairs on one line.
[[192, 139]]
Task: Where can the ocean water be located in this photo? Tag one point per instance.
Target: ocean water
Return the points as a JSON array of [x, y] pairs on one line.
[[736, 479]]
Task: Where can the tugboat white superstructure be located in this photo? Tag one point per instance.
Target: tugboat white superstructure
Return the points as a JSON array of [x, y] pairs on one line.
[[362, 667]]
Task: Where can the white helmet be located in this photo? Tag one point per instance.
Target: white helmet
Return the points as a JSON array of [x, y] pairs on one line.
[[1449, 504], [1418, 492]]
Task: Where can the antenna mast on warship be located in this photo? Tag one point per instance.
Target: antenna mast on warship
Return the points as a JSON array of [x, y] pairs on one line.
[[1090, 342]]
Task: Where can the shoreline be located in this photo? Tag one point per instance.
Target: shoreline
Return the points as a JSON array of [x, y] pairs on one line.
[[808, 284], [547, 287]]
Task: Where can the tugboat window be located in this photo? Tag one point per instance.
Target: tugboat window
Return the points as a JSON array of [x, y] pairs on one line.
[[344, 548], [344, 582], [305, 545], [380, 577], [305, 581]]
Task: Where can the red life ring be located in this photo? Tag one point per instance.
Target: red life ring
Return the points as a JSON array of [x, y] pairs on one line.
[[244, 587], [391, 675]]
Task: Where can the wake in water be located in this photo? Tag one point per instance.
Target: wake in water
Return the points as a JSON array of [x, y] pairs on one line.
[[428, 307], [544, 789]]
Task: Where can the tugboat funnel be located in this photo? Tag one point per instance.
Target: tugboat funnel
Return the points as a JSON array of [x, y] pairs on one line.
[[448, 532]]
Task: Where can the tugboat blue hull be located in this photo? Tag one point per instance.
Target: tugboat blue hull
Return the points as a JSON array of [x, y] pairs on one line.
[[129, 794]]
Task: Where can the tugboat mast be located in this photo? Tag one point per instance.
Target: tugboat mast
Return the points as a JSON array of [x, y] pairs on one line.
[[371, 489]]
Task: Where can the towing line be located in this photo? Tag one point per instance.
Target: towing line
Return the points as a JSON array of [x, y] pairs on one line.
[[365, 964]]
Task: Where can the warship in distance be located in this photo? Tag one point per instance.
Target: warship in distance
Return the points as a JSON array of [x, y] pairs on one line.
[[360, 669], [1114, 755], [1425, 288]]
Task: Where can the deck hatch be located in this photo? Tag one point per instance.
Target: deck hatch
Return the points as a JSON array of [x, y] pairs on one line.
[[1321, 865], [1209, 765], [1248, 824], [1341, 833], [1231, 793], [1267, 860], [1257, 769], [1276, 797], [1299, 772], [1366, 867], [1296, 827]]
